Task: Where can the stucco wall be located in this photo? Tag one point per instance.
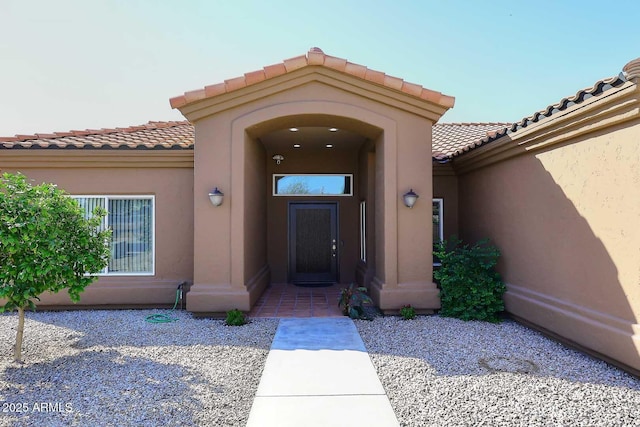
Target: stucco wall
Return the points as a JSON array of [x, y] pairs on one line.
[[256, 270], [566, 220], [366, 270], [172, 188], [401, 133]]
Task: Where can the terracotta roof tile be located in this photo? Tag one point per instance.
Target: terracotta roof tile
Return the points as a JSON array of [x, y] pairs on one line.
[[235, 84], [151, 136], [411, 89], [255, 77], [294, 63], [274, 70], [596, 90], [632, 69], [448, 138], [374, 76], [335, 63], [356, 70], [213, 90], [315, 57], [393, 82]]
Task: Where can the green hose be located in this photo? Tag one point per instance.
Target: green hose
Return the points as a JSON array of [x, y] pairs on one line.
[[165, 318]]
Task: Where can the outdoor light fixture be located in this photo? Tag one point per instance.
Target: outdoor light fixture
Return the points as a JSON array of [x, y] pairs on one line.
[[410, 198], [216, 197], [278, 158]]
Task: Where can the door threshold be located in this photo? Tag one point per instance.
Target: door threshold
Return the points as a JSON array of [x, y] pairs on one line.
[[314, 284]]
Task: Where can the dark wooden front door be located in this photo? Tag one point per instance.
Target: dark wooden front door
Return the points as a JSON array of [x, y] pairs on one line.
[[313, 242]]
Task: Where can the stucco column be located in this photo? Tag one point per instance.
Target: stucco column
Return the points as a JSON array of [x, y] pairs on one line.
[[215, 230], [404, 234]]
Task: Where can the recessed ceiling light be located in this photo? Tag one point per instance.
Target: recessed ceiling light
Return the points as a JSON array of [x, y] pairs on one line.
[[329, 145], [293, 129], [333, 129], [297, 145]]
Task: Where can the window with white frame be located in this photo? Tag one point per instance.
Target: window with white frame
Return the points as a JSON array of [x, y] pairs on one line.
[[363, 231], [438, 229], [313, 184], [131, 220]]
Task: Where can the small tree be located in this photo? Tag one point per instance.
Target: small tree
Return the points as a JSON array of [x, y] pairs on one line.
[[46, 244]]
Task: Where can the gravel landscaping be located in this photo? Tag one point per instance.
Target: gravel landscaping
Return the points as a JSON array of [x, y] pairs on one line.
[[111, 368], [446, 372]]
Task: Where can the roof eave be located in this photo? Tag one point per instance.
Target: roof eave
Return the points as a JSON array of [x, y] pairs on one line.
[[314, 61], [616, 106]]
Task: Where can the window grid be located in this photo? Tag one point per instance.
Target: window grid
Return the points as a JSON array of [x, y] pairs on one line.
[[132, 222]]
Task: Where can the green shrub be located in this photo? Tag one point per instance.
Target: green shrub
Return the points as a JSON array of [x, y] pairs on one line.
[[352, 301], [235, 318], [407, 312], [471, 289]]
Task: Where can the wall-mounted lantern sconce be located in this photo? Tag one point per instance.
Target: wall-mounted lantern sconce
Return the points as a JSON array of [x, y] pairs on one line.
[[410, 198], [216, 197], [278, 158]]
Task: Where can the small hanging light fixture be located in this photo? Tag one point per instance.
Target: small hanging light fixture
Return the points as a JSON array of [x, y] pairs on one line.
[[216, 197], [410, 198], [278, 158]]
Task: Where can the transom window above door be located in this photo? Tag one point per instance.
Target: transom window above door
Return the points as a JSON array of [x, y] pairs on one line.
[[312, 184]]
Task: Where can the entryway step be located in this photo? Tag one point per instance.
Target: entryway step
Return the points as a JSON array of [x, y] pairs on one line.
[[318, 373]]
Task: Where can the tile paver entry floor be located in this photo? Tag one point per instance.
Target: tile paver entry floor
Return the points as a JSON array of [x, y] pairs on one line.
[[288, 300]]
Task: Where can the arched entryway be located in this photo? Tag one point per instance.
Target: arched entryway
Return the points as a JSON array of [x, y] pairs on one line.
[[319, 171], [244, 244]]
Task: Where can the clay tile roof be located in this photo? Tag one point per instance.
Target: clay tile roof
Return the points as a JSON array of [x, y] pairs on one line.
[[315, 57], [150, 136], [448, 138], [598, 89]]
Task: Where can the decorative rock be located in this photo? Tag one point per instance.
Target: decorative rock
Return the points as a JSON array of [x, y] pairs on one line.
[[438, 371], [99, 368]]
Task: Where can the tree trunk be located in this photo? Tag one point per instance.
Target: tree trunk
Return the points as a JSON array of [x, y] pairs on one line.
[[17, 354]]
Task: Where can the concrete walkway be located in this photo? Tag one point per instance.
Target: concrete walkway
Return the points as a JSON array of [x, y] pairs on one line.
[[318, 373]]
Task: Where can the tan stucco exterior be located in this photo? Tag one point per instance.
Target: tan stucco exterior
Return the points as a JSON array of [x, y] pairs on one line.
[[558, 197], [166, 175], [560, 200], [238, 247]]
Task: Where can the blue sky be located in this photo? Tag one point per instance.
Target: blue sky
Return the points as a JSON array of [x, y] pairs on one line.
[[76, 64]]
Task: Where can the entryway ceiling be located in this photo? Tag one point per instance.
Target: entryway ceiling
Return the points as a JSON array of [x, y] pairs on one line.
[[312, 137]]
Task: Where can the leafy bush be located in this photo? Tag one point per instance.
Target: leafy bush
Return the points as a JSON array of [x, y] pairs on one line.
[[352, 302], [235, 318], [471, 289], [407, 312]]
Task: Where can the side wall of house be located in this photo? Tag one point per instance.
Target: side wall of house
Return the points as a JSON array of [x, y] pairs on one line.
[[169, 180], [564, 209]]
